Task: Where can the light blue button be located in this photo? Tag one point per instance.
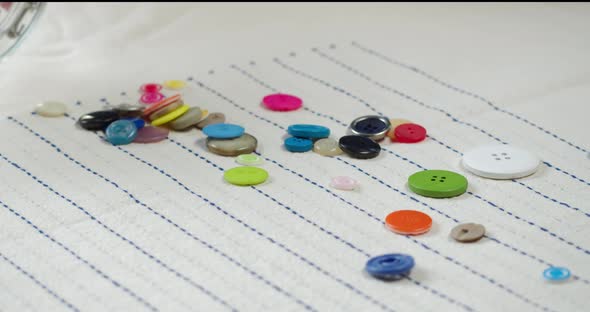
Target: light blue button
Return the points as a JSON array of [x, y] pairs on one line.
[[556, 274], [121, 132], [223, 131], [298, 145], [309, 131], [390, 266]]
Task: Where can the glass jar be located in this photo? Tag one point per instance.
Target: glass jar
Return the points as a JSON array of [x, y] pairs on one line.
[[16, 21]]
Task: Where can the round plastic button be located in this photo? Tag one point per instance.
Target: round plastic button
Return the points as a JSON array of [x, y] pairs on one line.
[[409, 133], [121, 132], [163, 103], [357, 146], [211, 119], [243, 144], [408, 222], [344, 183], [468, 232], [174, 84], [51, 109], [149, 134], [150, 98], [282, 102], [390, 266], [374, 127], [437, 183], [499, 161], [245, 175], [308, 131], [139, 123], [556, 274], [327, 147], [150, 88], [249, 160], [98, 120], [189, 119], [223, 131], [166, 110], [298, 145], [129, 110], [394, 123], [170, 116]]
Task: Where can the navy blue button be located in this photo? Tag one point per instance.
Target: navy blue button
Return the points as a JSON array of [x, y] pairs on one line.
[[299, 145], [374, 127], [139, 123], [359, 146], [308, 131], [390, 266]]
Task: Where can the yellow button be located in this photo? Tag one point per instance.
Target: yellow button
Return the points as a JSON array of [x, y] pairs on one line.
[[245, 175], [171, 116], [174, 84]]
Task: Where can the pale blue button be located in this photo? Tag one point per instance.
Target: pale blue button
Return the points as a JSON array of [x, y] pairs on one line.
[[309, 131], [556, 274], [121, 132], [298, 145], [223, 131]]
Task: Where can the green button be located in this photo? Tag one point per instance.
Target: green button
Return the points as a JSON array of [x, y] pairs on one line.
[[437, 183], [245, 175]]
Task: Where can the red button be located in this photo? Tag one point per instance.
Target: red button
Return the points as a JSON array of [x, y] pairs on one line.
[[150, 87], [409, 133]]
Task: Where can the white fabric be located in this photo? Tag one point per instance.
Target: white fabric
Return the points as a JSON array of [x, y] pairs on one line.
[[155, 227]]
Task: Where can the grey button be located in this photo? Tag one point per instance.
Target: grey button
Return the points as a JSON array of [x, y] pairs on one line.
[[213, 118], [374, 127], [468, 232], [189, 119], [244, 144]]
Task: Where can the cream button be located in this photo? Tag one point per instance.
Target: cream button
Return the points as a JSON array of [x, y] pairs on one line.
[[499, 161], [327, 147], [51, 109]]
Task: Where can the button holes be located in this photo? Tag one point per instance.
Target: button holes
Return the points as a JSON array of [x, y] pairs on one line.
[[504, 154], [498, 159], [464, 230], [433, 180], [494, 154], [435, 176], [506, 157], [441, 180]]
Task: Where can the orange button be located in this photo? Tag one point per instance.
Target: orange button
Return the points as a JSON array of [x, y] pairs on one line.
[[408, 222]]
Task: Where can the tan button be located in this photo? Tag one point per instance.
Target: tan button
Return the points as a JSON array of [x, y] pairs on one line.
[[327, 147], [468, 232], [165, 110], [213, 118], [244, 144], [394, 123]]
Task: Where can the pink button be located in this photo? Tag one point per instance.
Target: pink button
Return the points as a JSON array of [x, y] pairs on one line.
[[282, 102], [149, 134], [150, 98], [344, 183], [150, 87]]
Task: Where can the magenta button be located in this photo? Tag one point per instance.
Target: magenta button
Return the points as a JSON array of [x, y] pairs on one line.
[[282, 102]]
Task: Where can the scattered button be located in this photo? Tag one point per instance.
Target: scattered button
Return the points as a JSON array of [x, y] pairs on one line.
[[308, 131], [499, 161], [211, 119], [374, 127], [129, 110], [357, 146], [249, 160], [223, 131], [244, 144], [98, 120], [556, 274], [166, 110], [189, 119], [150, 88], [51, 109], [327, 147], [437, 183], [282, 102], [468, 232], [150, 98], [174, 84], [344, 183], [408, 222], [163, 103], [149, 134], [245, 175], [298, 145], [390, 266], [170, 116], [394, 123], [121, 132], [139, 123], [409, 133]]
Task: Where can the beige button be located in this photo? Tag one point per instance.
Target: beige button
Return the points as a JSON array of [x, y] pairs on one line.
[[327, 147], [189, 119], [213, 118], [394, 123], [165, 110], [51, 109], [244, 144], [468, 232]]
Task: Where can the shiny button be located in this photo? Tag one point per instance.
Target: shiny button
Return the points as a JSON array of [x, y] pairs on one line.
[[150, 87], [556, 274], [437, 183], [139, 123], [170, 116], [390, 266], [51, 109], [281, 102], [189, 119], [468, 232], [98, 120], [409, 133], [150, 98], [249, 160], [211, 119], [129, 110], [159, 105], [121, 132], [394, 123], [149, 134], [374, 127], [298, 145], [244, 144], [327, 147], [244, 176], [308, 131], [499, 161], [223, 131], [360, 147], [174, 84], [344, 183], [408, 222]]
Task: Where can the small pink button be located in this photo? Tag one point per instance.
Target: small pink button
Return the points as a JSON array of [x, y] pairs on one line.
[[282, 102], [150, 87], [149, 134], [150, 98], [344, 183]]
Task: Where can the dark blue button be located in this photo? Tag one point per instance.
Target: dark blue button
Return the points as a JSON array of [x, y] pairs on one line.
[[308, 131], [374, 127], [298, 145], [390, 266], [359, 147], [139, 123]]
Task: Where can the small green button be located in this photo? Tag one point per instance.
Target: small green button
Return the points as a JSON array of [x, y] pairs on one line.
[[437, 183], [245, 175]]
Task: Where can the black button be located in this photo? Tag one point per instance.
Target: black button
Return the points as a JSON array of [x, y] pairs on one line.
[[98, 120], [357, 146]]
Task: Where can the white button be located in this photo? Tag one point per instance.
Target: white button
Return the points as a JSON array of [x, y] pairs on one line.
[[498, 161]]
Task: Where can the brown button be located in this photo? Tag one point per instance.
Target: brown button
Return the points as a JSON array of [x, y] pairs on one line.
[[213, 118], [468, 232]]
